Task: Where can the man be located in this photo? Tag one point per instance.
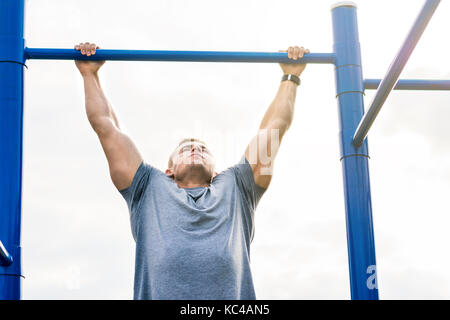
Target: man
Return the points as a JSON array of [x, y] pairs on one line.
[[192, 226]]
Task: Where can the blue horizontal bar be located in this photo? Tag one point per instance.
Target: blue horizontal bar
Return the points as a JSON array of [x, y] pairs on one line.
[[411, 84], [5, 258], [192, 56]]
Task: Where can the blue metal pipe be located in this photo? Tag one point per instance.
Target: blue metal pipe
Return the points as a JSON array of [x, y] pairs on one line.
[[394, 70], [11, 123], [411, 84], [355, 168], [158, 55]]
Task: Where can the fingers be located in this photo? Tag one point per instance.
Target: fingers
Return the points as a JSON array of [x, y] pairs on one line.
[[87, 48], [296, 52]]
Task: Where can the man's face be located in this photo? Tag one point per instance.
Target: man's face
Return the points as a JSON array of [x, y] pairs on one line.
[[192, 156]]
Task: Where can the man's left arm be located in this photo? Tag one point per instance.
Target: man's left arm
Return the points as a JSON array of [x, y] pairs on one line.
[[263, 148]]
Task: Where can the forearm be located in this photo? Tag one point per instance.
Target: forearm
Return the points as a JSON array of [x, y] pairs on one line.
[[281, 110], [97, 105]]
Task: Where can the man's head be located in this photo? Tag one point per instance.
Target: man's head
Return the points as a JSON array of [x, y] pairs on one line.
[[191, 162]]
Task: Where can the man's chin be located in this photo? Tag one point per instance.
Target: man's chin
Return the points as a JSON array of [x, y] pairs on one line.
[[196, 161]]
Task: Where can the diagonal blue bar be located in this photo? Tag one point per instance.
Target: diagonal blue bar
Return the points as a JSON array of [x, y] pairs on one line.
[[164, 55], [393, 73], [411, 84], [5, 258]]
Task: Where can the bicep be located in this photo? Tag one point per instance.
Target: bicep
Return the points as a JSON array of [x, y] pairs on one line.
[[262, 150], [121, 152]]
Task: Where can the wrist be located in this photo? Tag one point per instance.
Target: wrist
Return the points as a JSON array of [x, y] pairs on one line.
[[89, 75], [294, 73], [291, 78]]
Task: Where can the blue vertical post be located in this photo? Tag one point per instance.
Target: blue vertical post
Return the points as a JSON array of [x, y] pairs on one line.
[[11, 120], [358, 207]]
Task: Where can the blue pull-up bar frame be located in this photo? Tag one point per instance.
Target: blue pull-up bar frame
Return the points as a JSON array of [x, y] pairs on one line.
[[350, 86], [165, 55]]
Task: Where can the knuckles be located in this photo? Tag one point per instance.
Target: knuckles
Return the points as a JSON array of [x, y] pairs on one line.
[[296, 52], [86, 48]]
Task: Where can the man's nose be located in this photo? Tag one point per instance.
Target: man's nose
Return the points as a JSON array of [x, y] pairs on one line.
[[196, 147]]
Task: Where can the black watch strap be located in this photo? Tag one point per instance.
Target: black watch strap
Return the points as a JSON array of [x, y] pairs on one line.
[[291, 77]]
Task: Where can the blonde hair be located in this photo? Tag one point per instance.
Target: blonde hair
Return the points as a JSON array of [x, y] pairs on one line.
[[170, 163]]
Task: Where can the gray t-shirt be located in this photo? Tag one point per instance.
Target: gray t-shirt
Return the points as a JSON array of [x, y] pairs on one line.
[[193, 243]]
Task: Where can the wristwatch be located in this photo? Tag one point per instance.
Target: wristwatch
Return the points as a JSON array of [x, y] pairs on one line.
[[291, 77]]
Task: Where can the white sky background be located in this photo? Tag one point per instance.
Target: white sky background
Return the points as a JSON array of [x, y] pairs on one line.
[[76, 236]]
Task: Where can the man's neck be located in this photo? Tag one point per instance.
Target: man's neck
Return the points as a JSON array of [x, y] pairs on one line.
[[196, 177], [191, 184]]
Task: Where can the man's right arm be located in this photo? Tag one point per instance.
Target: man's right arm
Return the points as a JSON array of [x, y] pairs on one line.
[[122, 155]]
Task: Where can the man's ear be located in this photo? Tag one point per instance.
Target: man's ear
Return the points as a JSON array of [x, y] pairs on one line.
[[214, 174], [169, 172]]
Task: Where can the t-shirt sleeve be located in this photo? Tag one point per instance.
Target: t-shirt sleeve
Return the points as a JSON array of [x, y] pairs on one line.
[[134, 193], [246, 183]]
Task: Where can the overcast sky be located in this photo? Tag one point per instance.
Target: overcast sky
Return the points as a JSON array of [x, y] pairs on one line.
[[76, 235]]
